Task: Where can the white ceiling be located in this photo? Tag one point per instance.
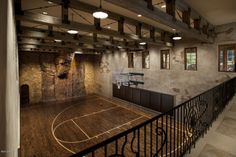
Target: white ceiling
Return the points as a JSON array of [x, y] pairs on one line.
[[217, 12]]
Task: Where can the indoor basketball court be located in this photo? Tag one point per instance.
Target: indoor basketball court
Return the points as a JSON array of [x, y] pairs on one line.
[[83, 123]]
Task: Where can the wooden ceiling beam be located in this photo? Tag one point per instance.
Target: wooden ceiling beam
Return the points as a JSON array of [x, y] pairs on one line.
[[121, 25], [182, 5], [35, 33], [54, 21], [65, 11], [139, 30], [197, 24], [170, 8], [164, 18], [78, 5], [186, 17], [152, 34]]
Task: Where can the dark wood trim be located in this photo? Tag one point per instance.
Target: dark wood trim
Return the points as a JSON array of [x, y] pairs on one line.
[[185, 58], [219, 48], [130, 57], [162, 17], [161, 58]]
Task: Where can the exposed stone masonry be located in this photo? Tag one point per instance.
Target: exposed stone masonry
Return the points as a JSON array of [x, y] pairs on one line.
[[53, 77]]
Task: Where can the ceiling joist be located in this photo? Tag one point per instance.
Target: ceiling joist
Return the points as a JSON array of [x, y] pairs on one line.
[[162, 17], [54, 21], [34, 33]]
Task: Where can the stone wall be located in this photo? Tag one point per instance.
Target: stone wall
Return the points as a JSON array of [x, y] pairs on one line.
[[53, 77], [176, 81]]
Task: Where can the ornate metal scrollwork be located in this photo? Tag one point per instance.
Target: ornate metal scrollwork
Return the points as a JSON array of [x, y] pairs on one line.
[[193, 117], [161, 132]]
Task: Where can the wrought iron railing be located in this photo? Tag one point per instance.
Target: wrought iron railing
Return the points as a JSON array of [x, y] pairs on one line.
[[171, 133]]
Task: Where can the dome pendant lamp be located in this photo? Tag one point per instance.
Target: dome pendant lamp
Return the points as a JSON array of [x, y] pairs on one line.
[[100, 13]]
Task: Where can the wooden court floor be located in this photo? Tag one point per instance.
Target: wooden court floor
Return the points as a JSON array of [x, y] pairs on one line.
[[63, 128]]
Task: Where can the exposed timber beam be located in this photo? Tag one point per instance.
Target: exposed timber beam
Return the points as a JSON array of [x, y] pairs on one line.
[[72, 46], [121, 25], [186, 17], [138, 6], [54, 21], [170, 8], [139, 30], [78, 5], [182, 5], [65, 11], [36, 33], [197, 24]]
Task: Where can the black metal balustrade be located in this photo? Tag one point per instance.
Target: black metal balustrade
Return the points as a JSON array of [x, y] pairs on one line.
[[171, 133]]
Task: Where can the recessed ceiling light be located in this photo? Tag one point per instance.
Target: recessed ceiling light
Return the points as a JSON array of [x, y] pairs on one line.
[[139, 15], [163, 6], [45, 13], [142, 43], [72, 31], [176, 37], [57, 40]]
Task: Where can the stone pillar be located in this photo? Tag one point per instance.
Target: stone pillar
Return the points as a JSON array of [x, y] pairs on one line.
[[9, 84]]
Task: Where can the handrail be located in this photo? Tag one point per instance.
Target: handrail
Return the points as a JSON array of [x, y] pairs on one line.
[[183, 116]]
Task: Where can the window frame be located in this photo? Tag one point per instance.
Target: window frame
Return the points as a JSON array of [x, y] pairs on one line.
[[165, 51], [225, 57], [185, 58]]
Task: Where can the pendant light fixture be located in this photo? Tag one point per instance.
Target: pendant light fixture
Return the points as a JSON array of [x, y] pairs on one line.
[[71, 31], [100, 13], [176, 37]]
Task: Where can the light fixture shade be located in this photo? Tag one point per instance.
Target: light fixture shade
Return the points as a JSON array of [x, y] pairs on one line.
[[72, 31], [176, 37], [100, 14]]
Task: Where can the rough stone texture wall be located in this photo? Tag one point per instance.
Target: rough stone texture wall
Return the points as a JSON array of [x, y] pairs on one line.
[[177, 81], [31, 74], [56, 76]]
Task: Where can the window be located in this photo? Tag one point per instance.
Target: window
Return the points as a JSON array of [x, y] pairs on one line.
[[227, 58], [130, 60], [165, 59], [190, 57]]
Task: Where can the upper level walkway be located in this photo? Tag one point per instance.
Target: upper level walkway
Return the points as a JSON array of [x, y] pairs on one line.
[[220, 140]]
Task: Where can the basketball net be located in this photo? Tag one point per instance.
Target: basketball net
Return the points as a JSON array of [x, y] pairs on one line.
[[118, 83]]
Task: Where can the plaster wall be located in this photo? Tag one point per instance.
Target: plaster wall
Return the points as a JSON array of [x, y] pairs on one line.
[[176, 81], [9, 83]]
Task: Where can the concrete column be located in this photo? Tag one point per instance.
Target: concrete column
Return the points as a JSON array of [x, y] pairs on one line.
[[9, 82]]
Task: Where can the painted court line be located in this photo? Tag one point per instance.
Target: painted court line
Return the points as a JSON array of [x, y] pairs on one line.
[[83, 116], [126, 108], [81, 129], [96, 136]]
